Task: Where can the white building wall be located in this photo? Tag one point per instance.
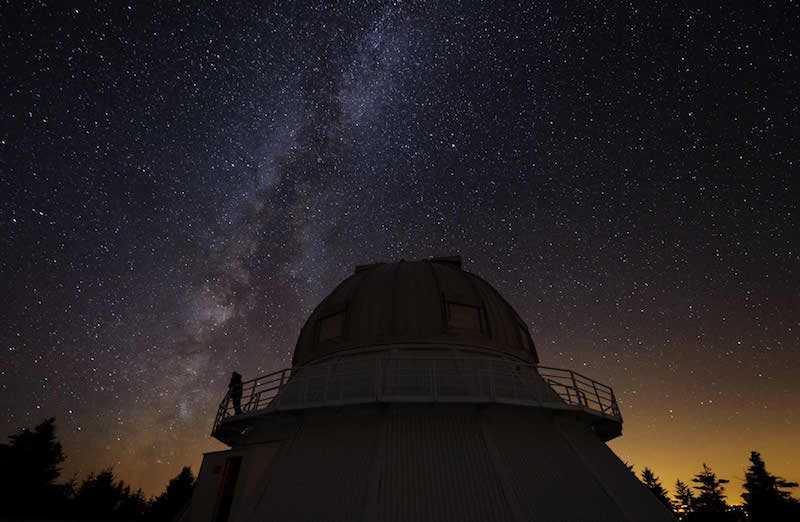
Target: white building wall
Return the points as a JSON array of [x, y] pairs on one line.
[[253, 477]]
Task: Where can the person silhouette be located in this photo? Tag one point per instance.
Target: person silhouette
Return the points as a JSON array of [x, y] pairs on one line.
[[235, 389]]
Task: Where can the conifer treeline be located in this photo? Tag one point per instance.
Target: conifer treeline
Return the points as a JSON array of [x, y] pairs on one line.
[[29, 487], [31, 461], [764, 499]]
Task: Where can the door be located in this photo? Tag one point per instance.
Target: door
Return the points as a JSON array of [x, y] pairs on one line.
[[227, 488]]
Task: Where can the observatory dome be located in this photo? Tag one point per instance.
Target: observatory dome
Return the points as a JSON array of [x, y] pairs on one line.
[[432, 303], [416, 394]]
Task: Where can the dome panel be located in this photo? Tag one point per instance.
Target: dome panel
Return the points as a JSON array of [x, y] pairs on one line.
[[416, 289]]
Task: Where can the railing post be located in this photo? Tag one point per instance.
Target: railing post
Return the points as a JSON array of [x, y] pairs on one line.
[[378, 378], [597, 394], [276, 399], [513, 373], [614, 405], [575, 386], [434, 388], [490, 375], [252, 394], [327, 383]]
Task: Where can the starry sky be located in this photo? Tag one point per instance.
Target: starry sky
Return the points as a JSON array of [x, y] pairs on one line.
[[181, 184]]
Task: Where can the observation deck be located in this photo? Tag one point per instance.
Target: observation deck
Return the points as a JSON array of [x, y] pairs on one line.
[[393, 378]]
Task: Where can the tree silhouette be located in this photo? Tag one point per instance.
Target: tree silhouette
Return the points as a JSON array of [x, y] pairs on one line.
[[31, 463], [684, 498], [28, 488], [133, 506], [764, 498], [711, 493], [175, 498], [629, 467], [101, 496], [652, 483]]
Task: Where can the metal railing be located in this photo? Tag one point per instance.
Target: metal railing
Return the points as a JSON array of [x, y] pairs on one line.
[[577, 389], [394, 378]]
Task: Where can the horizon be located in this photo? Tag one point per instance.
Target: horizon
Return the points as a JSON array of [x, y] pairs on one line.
[[731, 466]]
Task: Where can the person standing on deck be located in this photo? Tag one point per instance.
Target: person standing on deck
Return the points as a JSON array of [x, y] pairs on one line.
[[235, 389]]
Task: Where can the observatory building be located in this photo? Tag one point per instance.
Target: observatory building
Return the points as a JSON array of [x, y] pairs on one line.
[[416, 394]]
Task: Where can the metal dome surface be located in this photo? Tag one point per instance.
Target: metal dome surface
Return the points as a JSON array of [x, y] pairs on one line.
[[431, 303]]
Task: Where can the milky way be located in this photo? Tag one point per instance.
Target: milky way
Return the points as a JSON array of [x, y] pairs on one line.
[[179, 187]]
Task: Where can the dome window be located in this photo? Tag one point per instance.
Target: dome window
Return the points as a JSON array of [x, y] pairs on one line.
[[331, 327], [462, 316]]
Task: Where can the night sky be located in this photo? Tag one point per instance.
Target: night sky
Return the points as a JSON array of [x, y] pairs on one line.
[[180, 186]]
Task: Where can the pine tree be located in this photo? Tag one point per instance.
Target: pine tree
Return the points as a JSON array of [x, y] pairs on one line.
[[764, 498], [684, 498], [652, 483], [133, 506], [711, 497], [103, 497], [100, 496], [175, 498], [31, 463]]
